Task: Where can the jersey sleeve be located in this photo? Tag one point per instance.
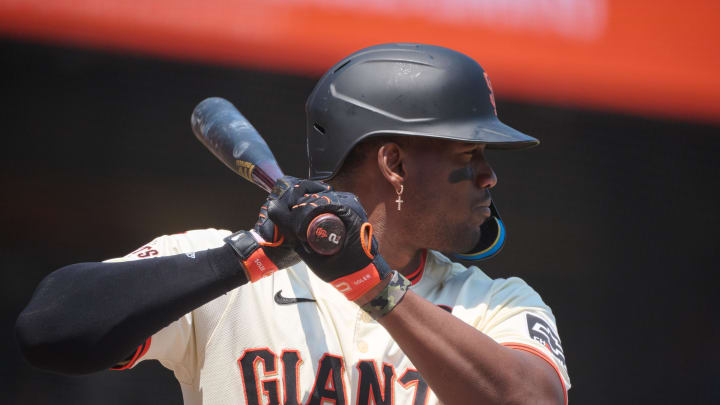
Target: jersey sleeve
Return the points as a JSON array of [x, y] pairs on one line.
[[181, 243], [516, 317], [173, 345]]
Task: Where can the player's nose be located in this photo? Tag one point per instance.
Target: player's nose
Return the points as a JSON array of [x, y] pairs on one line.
[[485, 175]]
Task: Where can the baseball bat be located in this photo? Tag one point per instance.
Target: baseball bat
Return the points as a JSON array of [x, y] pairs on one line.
[[235, 142]]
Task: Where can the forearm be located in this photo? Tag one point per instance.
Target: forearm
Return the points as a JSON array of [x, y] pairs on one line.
[[88, 316], [461, 364]]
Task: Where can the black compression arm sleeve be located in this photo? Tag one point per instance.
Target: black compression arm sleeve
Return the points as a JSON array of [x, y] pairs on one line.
[[86, 317]]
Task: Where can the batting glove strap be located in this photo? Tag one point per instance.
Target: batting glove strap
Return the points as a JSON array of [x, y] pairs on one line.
[[246, 245], [355, 285], [389, 297]]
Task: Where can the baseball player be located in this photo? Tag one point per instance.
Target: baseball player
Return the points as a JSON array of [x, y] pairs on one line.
[[397, 135]]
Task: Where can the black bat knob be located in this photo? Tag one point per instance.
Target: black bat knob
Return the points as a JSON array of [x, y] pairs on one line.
[[326, 234]]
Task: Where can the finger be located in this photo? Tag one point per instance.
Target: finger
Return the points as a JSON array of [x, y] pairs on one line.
[[281, 216], [307, 187], [315, 199], [350, 200], [299, 192], [282, 185], [262, 215], [289, 182], [268, 230]]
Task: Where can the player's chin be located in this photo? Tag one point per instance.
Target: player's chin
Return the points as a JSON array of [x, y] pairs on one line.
[[465, 239]]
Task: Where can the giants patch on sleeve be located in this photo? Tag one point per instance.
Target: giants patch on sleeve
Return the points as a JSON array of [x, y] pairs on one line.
[[542, 332]]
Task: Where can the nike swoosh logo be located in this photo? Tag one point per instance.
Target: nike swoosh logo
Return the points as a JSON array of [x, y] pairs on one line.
[[279, 299]]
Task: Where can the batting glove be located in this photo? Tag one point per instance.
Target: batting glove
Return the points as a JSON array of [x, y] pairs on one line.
[[357, 267], [263, 250]]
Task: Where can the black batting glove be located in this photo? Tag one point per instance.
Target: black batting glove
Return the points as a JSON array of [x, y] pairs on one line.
[[263, 250], [277, 248], [357, 267]]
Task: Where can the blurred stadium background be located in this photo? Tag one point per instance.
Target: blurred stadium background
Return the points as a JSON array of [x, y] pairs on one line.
[[614, 219]]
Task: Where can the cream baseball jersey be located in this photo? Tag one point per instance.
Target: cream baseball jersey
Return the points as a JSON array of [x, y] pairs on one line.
[[293, 339]]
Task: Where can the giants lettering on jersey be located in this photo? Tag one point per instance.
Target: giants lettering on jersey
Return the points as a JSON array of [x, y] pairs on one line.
[[261, 380]]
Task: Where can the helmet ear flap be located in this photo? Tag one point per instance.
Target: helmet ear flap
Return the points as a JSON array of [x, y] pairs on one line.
[[492, 239]]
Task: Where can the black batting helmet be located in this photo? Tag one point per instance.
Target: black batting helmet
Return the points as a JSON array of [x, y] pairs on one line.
[[407, 90]]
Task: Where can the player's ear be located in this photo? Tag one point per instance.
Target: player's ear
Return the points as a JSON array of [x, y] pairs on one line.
[[390, 162]]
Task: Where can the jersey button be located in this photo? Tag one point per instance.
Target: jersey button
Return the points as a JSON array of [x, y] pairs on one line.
[[365, 317]]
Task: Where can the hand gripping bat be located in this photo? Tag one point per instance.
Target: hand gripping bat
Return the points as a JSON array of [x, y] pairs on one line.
[[233, 140]]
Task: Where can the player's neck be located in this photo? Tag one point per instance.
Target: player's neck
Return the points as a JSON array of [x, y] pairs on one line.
[[398, 254], [378, 199]]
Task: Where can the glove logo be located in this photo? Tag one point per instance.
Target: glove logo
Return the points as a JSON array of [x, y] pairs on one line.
[[334, 238], [356, 284], [343, 287], [259, 264], [362, 279]]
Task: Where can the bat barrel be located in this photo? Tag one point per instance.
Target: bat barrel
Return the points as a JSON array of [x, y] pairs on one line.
[[232, 139]]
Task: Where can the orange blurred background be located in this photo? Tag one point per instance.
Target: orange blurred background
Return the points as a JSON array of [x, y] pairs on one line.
[[657, 58]]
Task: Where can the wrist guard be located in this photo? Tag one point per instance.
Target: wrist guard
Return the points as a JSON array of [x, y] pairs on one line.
[[389, 297], [247, 245]]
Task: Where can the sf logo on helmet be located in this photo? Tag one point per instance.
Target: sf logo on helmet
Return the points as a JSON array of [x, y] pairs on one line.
[[492, 96]]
